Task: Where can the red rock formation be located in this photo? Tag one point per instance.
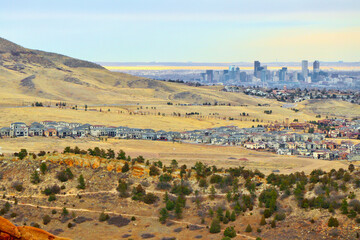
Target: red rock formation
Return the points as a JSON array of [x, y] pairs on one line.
[[9, 231]]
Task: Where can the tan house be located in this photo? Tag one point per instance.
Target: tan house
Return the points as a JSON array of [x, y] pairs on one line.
[[50, 132]]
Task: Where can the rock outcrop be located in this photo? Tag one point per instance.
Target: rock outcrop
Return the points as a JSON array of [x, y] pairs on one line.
[[9, 231]]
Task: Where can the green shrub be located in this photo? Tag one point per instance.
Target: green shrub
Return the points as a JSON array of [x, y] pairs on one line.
[[81, 181], [333, 222], [52, 198], [35, 178], [248, 228], [103, 217], [163, 215], [262, 221], [273, 224], [280, 216], [230, 232], [46, 219], [43, 168], [150, 198], [215, 226], [170, 205], [125, 168]]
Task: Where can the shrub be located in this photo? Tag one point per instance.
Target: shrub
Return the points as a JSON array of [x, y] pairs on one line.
[[18, 186], [52, 198], [55, 189], [215, 226], [43, 168], [64, 176], [267, 213], [248, 228], [163, 186], [65, 212], [170, 205], [46, 219], [273, 224], [163, 215], [81, 182], [280, 216], [233, 216], [41, 153], [103, 217], [35, 178], [125, 168], [12, 215], [262, 221], [122, 188], [165, 177], [70, 225], [154, 171], [150, 198], [53, 211], [133, 218], [333, 222], [230, 232], [22, 154]]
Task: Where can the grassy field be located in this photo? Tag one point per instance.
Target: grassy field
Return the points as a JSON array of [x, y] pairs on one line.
[[221, 156]]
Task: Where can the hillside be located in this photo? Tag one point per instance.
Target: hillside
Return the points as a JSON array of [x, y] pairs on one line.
[[138, 199], [31, 75]]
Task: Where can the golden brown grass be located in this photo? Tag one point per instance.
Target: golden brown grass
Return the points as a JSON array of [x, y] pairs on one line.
[[221, 156]]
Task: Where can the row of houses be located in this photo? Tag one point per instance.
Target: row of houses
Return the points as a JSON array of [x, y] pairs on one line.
[[283, 142], [64, 129]]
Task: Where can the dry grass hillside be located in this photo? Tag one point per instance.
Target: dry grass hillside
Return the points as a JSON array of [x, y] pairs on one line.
[[28, 76], [32, 75]]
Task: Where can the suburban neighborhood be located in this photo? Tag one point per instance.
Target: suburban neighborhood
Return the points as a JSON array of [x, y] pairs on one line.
[[325, 139]]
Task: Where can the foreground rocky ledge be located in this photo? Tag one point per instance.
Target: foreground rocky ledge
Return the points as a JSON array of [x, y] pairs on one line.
[[9, 231]]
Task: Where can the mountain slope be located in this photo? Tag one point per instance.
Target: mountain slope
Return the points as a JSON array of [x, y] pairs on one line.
[[31, 75]]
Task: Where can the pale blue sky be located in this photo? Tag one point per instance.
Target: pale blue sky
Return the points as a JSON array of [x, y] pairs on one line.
[[188, 30]]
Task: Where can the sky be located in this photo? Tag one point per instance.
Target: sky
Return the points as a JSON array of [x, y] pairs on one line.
[[187, 30]]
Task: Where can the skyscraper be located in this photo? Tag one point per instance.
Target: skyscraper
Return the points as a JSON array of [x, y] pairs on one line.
[[283, 74], [256, 67], [316, 66], [304, 69], [209, 75], [316, 70]]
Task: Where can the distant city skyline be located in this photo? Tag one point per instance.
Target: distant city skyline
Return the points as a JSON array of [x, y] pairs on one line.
[[182, 31]]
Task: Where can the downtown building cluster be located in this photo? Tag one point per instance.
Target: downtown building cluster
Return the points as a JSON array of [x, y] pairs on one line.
[[263, 76]]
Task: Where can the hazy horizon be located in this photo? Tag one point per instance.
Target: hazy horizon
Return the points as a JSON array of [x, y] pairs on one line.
[[201, 31]]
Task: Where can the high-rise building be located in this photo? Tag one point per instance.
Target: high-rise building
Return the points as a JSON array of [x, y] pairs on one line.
[[243, 76], [263, 75], [256, 67], [304, 69], [209, 76], [283, 74], [316, 66], [316, 70]]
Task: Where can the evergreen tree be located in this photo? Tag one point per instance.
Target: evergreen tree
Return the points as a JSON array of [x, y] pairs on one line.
[[35, 178], [163, 215], [81, 181], [215, 226], [248, 228]]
